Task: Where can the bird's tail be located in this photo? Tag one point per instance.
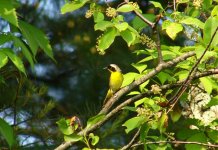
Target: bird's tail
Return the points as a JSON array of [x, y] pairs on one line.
[[108, 96]]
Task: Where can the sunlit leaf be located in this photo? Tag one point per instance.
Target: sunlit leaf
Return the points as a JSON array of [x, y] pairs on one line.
[[209, 29], [94, 138], [129, 78], [103, 25], [193, 21], [106, 39], [207, 84], [7, 132], [8, 12], [157, 4], [125, 8], [14, 58], [94, 120], [163, 121], [72, 138], [128, 36], [98, 16], [72, 6], [172, 28], [3, 59], [121, 26], [134, 123], [214, 12], [64, 127]]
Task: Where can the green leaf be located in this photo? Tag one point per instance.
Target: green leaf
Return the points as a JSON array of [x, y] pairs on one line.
[[72, 6], [106, 39], [98, 16], [103, 25], [134, 123], [172, 28], [199, 137], [162, 122], [206, 81], [94, 139], [125, 8], [72, 138], [193, 21], [128, 36], [139, 24], [25, 51], [139, 102], [214, 12], [213, 134], [213, 101], [207, 4], [3, 59], [182, 74], [5, 38], [8, 12], [163, 77], [121, 26], [94, 120], [157, 4], [64, 126], [209, 29], [7, 132], [176, 113], [129, 78], [15, 59], [140, 67], [36, 38]]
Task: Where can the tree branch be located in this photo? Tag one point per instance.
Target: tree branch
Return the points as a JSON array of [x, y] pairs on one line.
[[129, 101], [176, 142], [132, 141]]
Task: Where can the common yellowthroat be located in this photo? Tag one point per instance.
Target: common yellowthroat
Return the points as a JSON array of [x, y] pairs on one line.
[[115, 81]]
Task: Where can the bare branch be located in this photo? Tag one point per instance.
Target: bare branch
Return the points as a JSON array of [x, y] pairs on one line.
[[132, 141]]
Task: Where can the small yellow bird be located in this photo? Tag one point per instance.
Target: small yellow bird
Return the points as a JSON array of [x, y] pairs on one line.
[[115, 81]]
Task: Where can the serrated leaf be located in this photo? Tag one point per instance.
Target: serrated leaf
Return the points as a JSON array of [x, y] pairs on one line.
[[5, 38], [25, 51], [134, 122], [7, 132], [209, 29], [94, 120], [157, 4], [121, 26], [103, 25], [193, 21], [107, 39], [128, 36], [207, 84], [125, 8], [72, 138], [64, 127], [36, 38], [129, 78], [3, 59], [72, 6], [15, 59], [8, 12]]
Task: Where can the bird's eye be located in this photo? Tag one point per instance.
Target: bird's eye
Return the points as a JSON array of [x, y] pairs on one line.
[[111, 68]]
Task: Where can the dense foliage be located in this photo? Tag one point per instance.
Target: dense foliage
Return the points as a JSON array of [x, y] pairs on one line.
[[168, 99]]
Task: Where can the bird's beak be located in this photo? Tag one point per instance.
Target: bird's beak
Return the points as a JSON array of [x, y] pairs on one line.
[[105, 68]]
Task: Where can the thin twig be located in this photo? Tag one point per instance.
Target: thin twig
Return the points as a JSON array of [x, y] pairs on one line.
[[132, 141], [174, 5], [175, 142], [188, 80]]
